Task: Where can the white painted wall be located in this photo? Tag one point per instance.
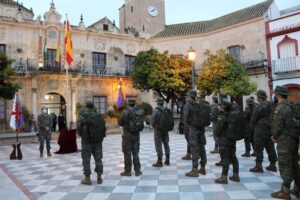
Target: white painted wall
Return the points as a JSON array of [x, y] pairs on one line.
[[285, 82], [285, 22]]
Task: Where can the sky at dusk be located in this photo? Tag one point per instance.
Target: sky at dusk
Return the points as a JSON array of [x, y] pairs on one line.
[[177, 11]]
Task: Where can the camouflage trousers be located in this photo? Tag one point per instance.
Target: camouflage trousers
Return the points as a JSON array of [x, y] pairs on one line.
[[288, 158], [186, 135], [228, 156], [159, 139], [89, 149], [215, 137], [131, 148], [42, 139], [197, 142], [248, 140], [262, 140]]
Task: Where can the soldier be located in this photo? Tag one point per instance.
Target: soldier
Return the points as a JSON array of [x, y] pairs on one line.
[[227, 147], [89, 146], [214, 118], [160, 136], [260, 122], [250, 106], [197, 140], [287, 145], [44, 126], [186, 130], [130, 141]]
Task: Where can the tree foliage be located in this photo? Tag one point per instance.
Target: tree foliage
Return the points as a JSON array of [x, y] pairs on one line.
[[168, 75], [7, 87], [222, 73]]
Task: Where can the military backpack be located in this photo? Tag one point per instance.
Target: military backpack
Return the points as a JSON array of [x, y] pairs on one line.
[[200, 115], [166, 121], [96, 129], [237, 125], [296, 118], [135, 120]]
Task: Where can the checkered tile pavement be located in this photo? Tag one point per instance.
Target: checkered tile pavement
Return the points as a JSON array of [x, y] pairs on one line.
[[58, 177]]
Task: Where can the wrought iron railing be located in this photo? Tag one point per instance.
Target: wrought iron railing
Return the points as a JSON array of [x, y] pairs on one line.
[[286, 65]]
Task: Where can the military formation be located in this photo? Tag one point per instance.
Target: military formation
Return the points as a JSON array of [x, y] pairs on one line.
[[261, 125]]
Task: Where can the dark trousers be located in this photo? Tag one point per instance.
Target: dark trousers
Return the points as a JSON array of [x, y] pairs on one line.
[[43, 138], [89, 149], [131, 148], [186, 135], [248, 142], [197, 142], [159, 139], [262, 140], [227, 153]]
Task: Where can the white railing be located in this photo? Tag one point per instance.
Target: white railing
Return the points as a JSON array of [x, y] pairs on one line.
[[286, 65]]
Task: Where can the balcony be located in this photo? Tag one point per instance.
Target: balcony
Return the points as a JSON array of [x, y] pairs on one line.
[[286, 65], [31, 66], [254, 61]]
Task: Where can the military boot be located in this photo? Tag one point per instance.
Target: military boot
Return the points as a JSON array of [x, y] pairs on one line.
[[295, 191], [253, 154], [216, 150], [258, 168], [235, 177], [167, 161], [219, 164], [202, 171], [272, 167], [138, 173], [284, 193], [187, 157], [99, 180], [222, 180], [86, 181], [125, 173], [246, 154], [193, 173], [158, 163], [49, 154]]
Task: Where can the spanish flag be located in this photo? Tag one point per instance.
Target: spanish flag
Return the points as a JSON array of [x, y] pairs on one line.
[[58, 54], [68, 44]]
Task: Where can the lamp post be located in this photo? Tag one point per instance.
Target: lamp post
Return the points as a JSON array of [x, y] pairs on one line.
[[191, 57]]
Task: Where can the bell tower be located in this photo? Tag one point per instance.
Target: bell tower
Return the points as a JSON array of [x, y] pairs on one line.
[[147, 17]]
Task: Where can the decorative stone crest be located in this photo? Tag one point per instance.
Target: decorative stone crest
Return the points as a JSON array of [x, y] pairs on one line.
[[52, 17]]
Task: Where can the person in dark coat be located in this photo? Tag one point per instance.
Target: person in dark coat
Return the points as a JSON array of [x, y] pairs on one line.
[[61, 122]]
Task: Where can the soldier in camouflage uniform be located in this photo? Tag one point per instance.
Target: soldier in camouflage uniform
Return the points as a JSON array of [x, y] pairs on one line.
[[287, 139], [197, 140], [186, 131], [260, 122], [250, 106], [159, 136], [227, 147], [214, 118], [44, 122], [89, 148], [130, 143]]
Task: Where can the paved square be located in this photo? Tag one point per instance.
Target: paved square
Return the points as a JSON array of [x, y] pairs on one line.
[[58, 177]]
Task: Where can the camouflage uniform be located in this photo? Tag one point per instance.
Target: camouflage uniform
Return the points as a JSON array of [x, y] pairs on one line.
[[214, 118], [159, 136], [260, 122], [89, 148], [44, 121], [186, 128], [130, 144], [249, 137], [287, 145]]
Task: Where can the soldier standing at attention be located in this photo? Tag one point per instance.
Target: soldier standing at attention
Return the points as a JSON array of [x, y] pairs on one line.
[[186, 130], [227, 147], [161, 136], [287, 145], [214, 119], [91, 129], [44, 125], [130, 121], [197, 140], [260, 122]]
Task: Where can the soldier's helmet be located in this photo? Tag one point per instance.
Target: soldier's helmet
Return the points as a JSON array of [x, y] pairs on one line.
[[215, 99], [281, 90], [192, 93], [160, 100], [89, 103], [262, 94], [131, 101], [250, 101], [223, 95], [226, 105]]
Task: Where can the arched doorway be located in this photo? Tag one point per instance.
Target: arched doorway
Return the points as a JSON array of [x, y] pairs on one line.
[[294, 92]]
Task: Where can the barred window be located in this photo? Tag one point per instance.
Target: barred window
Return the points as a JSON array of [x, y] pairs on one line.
[[100, 103]]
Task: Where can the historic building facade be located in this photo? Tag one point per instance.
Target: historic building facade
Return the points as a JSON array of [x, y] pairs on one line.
[[103, 53], [283, 38]]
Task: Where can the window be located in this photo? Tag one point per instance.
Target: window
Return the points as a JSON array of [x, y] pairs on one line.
[[105, 27], [101, 104], [50, 62], [287, 50], [2, 110], [2, 48], [99, 61], [235, 51], [128, 64]]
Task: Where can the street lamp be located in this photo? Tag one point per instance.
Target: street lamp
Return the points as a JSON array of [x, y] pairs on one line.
[[191, 57]]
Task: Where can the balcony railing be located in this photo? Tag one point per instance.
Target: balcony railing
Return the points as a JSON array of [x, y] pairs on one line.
[[286, 65], [254, 60]]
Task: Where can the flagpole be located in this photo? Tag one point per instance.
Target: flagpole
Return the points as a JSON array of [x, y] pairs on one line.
[[67, 84]]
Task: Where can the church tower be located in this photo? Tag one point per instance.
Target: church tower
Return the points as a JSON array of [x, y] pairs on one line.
[[146, 16]]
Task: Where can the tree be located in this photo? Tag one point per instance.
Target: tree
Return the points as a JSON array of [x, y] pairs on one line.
[[7, 87], [168, 75], [222, 73]]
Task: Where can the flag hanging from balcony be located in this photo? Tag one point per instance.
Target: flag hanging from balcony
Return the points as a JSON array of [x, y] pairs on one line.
[[58, 52], [45, 49], [68, 44], [16, 119], [121, 100]]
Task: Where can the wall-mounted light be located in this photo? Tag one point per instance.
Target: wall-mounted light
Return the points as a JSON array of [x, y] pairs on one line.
[[19, 50], [48, 97], [82, 55], [40, 64]]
